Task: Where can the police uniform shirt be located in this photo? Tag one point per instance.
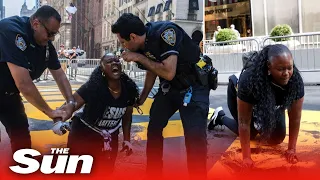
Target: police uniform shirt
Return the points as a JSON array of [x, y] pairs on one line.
[[245, 93], [18, 46], [101, 109], [165, 38]]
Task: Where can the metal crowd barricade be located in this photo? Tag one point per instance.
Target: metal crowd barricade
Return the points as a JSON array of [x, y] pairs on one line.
[[227, 56], [305, 48], [85, 67], [137, 74]]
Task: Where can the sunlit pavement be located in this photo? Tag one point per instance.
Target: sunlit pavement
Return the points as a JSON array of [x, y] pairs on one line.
[[223, 147]]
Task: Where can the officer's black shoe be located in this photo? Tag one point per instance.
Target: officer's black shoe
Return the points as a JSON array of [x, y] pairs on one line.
[[216, 118]]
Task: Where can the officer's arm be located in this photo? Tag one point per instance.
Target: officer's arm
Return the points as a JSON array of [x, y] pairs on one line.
[[148, 85], [63, 83], [165, 69], [25, 85]]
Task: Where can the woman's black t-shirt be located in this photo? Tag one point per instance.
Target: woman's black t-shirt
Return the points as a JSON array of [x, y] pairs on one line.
[[246, 95], [101, 109]]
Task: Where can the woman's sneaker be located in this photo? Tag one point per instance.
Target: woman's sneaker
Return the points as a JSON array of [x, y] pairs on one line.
[[216, 118]]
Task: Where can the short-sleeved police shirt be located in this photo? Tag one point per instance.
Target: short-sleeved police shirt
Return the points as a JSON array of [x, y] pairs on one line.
[[17, 46], [101, 109], [246, 95], [165, 38]]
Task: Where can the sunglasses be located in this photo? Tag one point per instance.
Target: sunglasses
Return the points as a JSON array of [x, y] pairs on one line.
[[49, 34], [111, 60]]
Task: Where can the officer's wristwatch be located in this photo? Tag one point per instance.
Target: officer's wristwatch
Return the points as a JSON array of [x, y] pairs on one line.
[[74, 103]]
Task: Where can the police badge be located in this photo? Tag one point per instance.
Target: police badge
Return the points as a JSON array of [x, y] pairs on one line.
[[20, 43], [169, 36]]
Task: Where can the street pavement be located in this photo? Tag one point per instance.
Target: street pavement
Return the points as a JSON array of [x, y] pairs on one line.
[[219, 141]]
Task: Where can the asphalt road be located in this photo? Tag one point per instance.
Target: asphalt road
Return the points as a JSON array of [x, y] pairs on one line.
[[218, 141]]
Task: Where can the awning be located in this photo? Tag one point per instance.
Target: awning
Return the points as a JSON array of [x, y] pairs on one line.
[[167, 5], [151, 11], [193, 5], [159, 8]]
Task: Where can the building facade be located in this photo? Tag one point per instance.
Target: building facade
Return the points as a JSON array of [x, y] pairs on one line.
[[91, 29], [140, 9], [64, 35], [111, 12], [188, 14], [25, 11], [87, 27], [258, 17], [37, 4], [2, 14], [42, 2]]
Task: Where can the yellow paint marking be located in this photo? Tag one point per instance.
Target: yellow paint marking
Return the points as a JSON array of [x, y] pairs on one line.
[[52, 98], [55, 86], [174, 128], [33, 112], [308, 144], [44, 140]]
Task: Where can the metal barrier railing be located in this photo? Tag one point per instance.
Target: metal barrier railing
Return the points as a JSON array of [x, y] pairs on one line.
[[84, 68], [305, 48], [227, 56]]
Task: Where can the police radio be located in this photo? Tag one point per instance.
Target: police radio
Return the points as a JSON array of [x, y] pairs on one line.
[[207, 74]]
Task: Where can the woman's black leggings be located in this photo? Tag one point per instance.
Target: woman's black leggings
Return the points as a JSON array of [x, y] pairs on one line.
[[276, 137], [84, 141]]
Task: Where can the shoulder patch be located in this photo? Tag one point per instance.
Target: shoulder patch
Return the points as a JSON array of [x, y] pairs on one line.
[[169, 36], [20, 43]]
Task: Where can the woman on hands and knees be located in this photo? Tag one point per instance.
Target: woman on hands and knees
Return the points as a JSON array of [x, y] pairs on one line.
[[265, 90], [108, 98]]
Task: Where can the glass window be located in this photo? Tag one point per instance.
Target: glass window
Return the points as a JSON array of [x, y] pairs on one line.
[[310, 15], [283, 12], [257, 11]]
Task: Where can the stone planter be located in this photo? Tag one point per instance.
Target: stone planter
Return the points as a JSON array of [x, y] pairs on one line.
[[226, 49]]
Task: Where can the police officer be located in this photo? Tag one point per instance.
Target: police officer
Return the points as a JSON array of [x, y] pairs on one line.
[[25, 52], [165, 50]]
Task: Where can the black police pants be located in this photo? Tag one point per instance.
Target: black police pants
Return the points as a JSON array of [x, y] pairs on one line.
[[194, 120], [15, 121], [276, 137], [84, 141]]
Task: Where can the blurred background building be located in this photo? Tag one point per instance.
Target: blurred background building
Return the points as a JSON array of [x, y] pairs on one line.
[[25, 11], [90, 26], [64, 35], [259, 16], [2, 10]]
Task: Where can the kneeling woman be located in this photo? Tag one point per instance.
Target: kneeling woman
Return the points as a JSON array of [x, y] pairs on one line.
[[264, 90], [108, 98]]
